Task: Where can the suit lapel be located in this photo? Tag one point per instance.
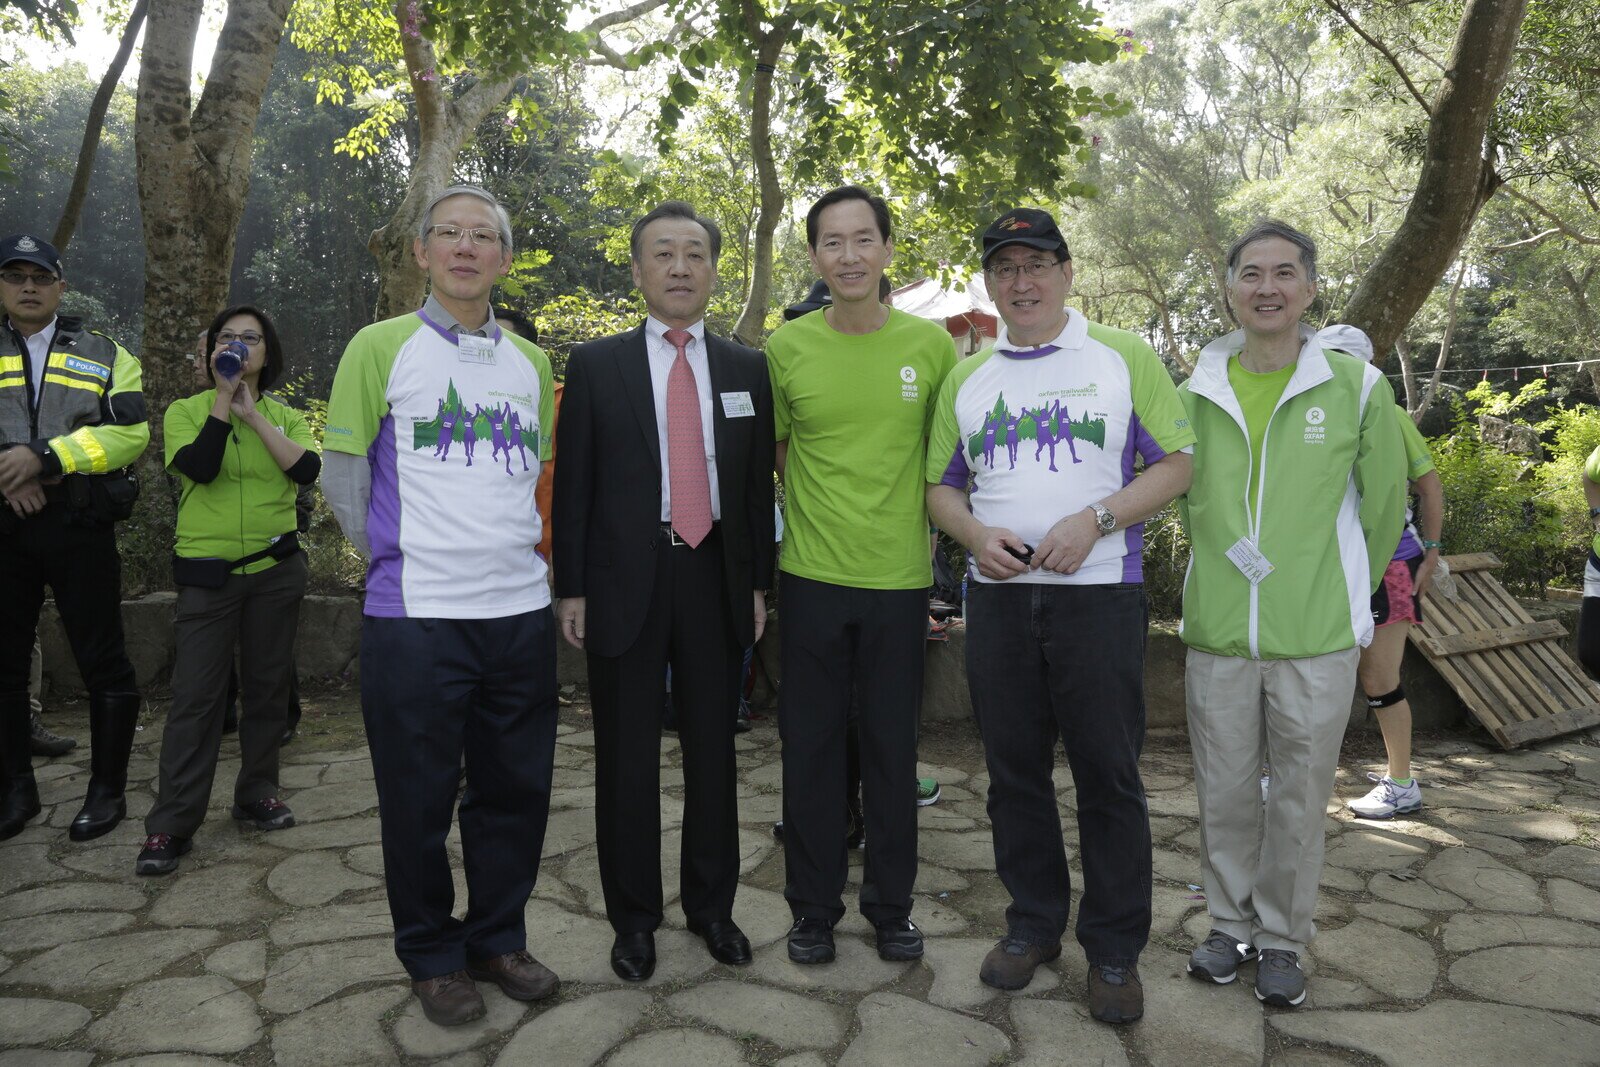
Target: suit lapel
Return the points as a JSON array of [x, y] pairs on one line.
[[633, 364]]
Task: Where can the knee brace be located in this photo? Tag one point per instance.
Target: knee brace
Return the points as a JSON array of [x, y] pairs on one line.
[[1394, 696]]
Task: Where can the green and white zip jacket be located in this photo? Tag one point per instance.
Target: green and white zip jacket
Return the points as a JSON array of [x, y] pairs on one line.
[[1330, 504]]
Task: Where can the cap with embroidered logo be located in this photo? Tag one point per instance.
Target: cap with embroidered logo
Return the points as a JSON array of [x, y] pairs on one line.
[[25, 248], [1026, 226]]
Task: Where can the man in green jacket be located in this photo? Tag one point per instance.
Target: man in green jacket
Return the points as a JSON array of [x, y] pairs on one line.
[[71, 415], [1296, 506]]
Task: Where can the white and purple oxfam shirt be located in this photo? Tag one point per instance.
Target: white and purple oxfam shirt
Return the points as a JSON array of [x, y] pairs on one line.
[[453, 429], [1040, 433]]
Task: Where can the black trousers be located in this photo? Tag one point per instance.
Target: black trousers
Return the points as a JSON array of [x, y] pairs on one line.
[[834, 638], [431, 691], [1049, 663], [687, 626], [81, 566]]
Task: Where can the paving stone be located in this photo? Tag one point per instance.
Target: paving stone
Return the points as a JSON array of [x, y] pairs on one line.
[[1573, 900], [569, 830], [803, 1059], [307, 976], [308, 879], [1413, 893], [1200, 1026], [578, 948], [206, 1014], [347, 1032], [934, 918], [1369, 850], [172, 1059], [338, 801], [1393, 915], [1483, 880], [955, 963], [223, 895], [1559, 977], [1469, 797], [29, 1021], [245, 962], [1047, 1028], [104, 858], [1493, 844], [1339, 878], [1449, 1033], [679, 1048], [1471, 931], [332, 923], [38, 1057], [1329, 991], [368, 859], [28, 865], [1309, 1057], [1389, 960], [416, 1036], [351, 771], [576, 1033], [1527, 825], [897, 1031], [300, 775], [855, 969], [110, 962], [5, 963], [338, 833], [971, 850], [933, 879], [788, 1020], [80, 896], [48, 931], [1579, 863]]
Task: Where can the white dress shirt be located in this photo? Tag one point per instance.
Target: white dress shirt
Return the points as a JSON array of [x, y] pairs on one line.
[[39, 353], [663, 354]]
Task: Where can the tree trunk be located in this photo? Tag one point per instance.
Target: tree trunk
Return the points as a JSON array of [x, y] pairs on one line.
[[194, 171], [443, 125], [1402, 352], [753, 319], [73, 208], [1456, 179]]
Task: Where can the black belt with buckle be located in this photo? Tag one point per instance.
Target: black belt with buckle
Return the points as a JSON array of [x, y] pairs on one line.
[[672, 538]]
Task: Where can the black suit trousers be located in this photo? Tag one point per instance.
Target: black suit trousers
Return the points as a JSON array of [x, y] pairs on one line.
[[686, 625]]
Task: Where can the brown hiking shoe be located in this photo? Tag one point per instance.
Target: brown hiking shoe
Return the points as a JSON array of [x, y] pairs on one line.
[[1011, 963], [1115, 993], [519, 976], [450, 999]]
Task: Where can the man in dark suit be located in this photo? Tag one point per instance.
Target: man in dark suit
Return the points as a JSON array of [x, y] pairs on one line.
[[663, 529]]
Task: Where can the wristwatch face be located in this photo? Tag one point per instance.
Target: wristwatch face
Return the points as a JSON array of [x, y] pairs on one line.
[[1104, 519]]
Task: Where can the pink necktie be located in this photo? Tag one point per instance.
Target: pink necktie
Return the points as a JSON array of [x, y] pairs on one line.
[[686, 448]]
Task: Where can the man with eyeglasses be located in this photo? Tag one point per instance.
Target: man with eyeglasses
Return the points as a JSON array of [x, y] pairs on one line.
[[458, 639], [72, 416], [1056, 612]]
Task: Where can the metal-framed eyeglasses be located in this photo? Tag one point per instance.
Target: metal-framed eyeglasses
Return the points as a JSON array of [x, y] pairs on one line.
[[481, 236], [20, 278], [249, 337], [1033, 268]]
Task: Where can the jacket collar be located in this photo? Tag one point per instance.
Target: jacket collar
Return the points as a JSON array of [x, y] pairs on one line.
[[1210, 378]]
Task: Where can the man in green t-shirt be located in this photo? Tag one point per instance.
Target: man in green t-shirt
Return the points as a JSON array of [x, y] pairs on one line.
[[853, 389]]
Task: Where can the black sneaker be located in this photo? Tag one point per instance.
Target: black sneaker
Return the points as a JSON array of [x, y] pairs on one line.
[[899, 940], [269, 813], [160, 854], [811, 941]]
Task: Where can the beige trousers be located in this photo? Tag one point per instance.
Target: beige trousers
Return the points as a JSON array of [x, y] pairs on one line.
[[1261, 864]]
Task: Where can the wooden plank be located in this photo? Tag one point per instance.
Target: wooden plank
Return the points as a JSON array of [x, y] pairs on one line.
[[1550, 726], [1554, 657], [1539, 694], [1543, 673], [1473, 561], [1499, 637], [1492, 703], [1497, 680]]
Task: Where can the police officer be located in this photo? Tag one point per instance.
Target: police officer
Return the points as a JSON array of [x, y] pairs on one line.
[[72, 416]]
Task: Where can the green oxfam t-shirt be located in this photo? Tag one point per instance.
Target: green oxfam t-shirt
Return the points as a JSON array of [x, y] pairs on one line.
[[855, 410], [1258, 395]]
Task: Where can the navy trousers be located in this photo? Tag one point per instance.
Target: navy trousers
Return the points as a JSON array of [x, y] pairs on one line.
[[431, 691]]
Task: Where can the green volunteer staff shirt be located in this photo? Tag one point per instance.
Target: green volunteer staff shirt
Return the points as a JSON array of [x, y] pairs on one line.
[[1591, 471], [1258, 396], [1419, 460], [855, 411], [251, 500]]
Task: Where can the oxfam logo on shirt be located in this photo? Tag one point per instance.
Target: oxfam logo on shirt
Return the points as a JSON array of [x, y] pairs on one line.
[[1315, 434], [908, 388], [908, 374], [1315, 416]]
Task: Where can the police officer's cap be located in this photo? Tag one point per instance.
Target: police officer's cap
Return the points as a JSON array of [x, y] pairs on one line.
[[27, 248]]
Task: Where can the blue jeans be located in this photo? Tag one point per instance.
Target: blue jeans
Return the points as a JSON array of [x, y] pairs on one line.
[[1049, 662]]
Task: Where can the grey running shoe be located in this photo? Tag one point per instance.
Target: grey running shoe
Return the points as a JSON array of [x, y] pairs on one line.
[[1217, 958], [1279, 980]]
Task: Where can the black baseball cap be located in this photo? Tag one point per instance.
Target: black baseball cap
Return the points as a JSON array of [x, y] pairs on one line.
[[30, 249], [1027, 226]]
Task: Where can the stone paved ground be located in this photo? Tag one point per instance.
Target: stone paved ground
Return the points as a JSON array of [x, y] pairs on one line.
[[1468, 936]]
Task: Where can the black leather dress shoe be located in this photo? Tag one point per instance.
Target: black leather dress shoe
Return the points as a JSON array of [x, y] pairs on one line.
[[633, 956], [725, 940]]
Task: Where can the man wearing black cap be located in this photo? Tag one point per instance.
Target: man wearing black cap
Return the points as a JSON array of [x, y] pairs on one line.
[[71, 417], [1031, 466]]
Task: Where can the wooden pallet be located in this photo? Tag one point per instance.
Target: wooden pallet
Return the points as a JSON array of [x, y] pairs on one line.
[[1510, 671]]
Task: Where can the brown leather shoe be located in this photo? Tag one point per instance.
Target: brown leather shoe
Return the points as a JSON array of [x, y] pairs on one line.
[[519, 976], [450, 999], [1011, 963], [1115, 993]]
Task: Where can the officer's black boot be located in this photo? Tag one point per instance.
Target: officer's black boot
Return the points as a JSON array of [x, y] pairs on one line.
[[19, 793], [113, 719]]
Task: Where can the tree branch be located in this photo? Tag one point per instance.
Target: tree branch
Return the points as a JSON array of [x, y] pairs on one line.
[[1383, 50], [93, 126], [1560, 225]]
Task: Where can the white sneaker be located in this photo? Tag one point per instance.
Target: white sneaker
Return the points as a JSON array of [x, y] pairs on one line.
[[1388, 799]]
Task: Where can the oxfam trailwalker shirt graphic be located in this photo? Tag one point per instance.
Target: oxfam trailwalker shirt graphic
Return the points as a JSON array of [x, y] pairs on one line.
[[855, 409], [452, 427], [1041, 433]]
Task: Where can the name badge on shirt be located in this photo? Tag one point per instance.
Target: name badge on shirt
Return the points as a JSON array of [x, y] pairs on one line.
[[1248, 558], [474, 349], [737, 406]]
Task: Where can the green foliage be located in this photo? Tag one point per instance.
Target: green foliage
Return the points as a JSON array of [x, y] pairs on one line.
[[573, 318]]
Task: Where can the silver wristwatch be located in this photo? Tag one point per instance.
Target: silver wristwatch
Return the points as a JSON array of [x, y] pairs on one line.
[[1103, 518]]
